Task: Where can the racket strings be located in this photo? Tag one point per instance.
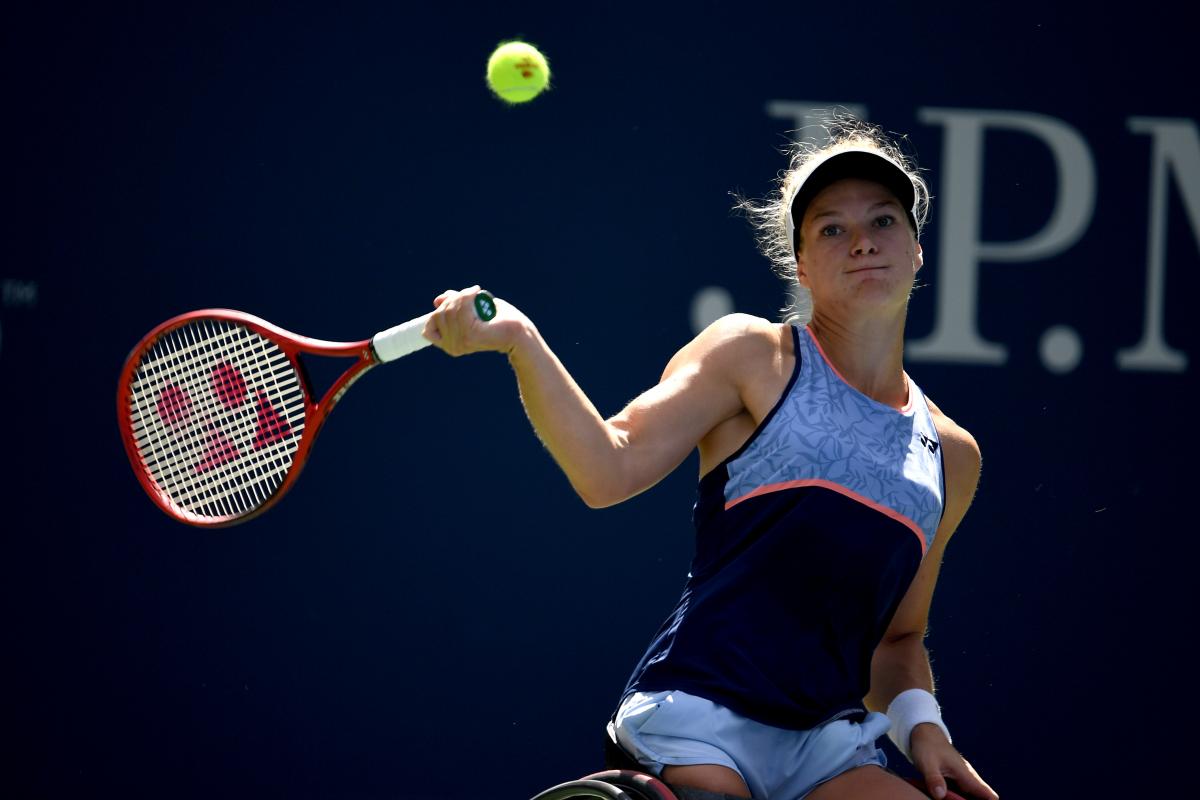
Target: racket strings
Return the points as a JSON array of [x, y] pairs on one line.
[[243, 484], [188, 370], [222, 437], [216, 411], [180, 386], [168, 365]]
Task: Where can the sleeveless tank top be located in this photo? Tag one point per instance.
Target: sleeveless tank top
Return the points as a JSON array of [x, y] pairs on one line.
[[807, 539]]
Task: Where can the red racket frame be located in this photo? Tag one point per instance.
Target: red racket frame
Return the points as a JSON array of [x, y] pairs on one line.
[[315, 413]]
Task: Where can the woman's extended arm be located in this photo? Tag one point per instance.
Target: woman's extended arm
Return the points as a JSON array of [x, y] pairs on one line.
[[610, 460]]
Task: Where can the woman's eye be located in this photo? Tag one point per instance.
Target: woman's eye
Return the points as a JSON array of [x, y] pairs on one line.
[[830, 230], [886, 221]]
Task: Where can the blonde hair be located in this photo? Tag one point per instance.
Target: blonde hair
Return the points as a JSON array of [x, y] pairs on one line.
[[769, 216]]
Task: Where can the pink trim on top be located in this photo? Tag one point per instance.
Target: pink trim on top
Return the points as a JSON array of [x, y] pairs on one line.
[[904, 410], [842, 490]]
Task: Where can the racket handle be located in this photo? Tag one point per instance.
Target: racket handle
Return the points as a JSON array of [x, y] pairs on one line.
[[406, 337]]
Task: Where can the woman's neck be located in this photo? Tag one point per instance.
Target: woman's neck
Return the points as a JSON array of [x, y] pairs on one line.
[[868, 353]]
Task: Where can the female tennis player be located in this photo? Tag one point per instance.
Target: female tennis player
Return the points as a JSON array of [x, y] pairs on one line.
[[830, 486]]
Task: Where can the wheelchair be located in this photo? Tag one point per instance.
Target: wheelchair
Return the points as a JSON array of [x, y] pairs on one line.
[[623, 779]]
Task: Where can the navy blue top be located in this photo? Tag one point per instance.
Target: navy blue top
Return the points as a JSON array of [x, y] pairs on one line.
[[807, 539]]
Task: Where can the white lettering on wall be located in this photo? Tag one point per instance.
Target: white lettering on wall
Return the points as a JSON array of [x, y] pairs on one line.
[[955, 336], [17, 294], [1175, 150]]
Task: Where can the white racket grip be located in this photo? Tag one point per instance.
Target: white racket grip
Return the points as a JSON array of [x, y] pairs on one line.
[[401, 340]]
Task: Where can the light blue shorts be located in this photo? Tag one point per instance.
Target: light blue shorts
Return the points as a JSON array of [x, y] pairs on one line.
[[662, 729]]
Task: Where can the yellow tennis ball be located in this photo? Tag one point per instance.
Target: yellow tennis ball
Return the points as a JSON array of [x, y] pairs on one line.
[[517, 72]]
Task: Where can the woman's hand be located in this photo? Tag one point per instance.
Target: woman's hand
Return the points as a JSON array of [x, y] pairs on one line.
[[455, 326], [937, 760]]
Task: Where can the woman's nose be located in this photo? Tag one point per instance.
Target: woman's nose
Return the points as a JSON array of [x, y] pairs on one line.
[[862, 244]]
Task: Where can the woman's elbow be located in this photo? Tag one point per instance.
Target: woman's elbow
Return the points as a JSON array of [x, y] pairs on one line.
[[598, 497], [602, 493]]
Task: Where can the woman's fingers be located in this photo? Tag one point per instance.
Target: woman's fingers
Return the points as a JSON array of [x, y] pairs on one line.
[[454, 326]]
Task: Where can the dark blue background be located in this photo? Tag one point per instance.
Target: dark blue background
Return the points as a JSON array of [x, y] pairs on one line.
[[432, 614]]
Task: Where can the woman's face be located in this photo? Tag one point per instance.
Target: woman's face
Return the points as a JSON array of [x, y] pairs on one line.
[[857, 247]]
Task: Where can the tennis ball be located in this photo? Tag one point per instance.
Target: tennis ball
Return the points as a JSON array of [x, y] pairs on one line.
[[517, 72]]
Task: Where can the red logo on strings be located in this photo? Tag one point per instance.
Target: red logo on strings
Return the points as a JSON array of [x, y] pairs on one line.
[[220, 450], [174, 405], [228, 385], [271, 426]]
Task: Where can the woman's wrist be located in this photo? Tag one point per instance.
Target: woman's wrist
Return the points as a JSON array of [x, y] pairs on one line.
[[909, 709], [525, 344]]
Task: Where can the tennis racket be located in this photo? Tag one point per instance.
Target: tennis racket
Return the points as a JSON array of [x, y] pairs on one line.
[[217, 414]]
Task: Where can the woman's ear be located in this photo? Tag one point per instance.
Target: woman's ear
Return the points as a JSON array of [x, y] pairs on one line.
[[801, 271]]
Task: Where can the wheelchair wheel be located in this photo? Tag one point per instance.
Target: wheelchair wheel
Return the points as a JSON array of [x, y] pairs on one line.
[[588, 788], [636, 784]]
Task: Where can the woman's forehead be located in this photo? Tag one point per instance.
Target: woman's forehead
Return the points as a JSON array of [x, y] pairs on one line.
[[850, 194]]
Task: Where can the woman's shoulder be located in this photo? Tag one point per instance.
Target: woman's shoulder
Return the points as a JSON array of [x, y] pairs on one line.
[[738, 349], [739, 324], [738, 341], [960, 452], [744, 332]]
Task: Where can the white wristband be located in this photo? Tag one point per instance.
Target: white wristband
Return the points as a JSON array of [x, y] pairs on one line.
[[910, 708]]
